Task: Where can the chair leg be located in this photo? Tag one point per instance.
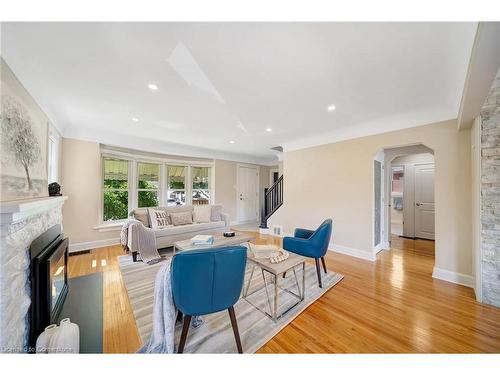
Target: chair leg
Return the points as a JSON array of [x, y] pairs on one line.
[[324, 264], [232, 316], [185, 329], [318, 271]]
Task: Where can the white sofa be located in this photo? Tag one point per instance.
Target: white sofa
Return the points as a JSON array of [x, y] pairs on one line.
[[166, 237]]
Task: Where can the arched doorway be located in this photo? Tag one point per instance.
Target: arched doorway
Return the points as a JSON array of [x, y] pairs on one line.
[[403, 194]]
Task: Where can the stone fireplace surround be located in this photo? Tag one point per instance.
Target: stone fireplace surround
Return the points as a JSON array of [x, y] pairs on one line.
[[20, 223]]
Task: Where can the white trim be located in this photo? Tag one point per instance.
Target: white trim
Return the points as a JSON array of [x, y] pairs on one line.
[[264, 231], [354, 252], [381, 246], [476, 208], [110, 227], [74, 247], [453, 277], [283, 234], [181, 161], [379, 157], [389, 124]]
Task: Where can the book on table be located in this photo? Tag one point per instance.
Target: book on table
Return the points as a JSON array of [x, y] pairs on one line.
[[202, 239]]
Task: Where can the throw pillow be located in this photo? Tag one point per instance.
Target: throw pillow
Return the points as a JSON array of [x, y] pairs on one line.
[[216, 211], [143, 216], [201, 214], [181, 218], [158, 218]]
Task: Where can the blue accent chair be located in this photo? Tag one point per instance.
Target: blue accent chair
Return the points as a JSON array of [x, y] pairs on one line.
[[311, 244], [207, 281]]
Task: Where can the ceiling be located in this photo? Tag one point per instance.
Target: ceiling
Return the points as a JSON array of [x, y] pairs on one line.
[[222, 82]]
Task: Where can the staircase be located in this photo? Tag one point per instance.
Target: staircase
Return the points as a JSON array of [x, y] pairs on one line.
[[273, 199]]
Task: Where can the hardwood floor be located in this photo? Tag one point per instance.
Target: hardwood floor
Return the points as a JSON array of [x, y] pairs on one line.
[[392, 305]]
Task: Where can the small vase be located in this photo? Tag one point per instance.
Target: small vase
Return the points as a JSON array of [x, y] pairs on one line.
[[43, 340], [66, 339]]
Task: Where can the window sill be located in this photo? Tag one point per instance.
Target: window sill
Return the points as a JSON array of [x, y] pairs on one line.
[[110, 227]]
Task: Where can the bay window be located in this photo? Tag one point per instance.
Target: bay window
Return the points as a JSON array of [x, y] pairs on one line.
[[129, 184], [176, 185], [115, 189], [148, 185], [200, 177]]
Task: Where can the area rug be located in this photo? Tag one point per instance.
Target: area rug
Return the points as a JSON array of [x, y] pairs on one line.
[[216, 334]]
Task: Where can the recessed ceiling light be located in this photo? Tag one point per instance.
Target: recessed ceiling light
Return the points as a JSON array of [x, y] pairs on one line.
[[331, 108], [269, 130], [232, 142], [152, 86], [135, 119]]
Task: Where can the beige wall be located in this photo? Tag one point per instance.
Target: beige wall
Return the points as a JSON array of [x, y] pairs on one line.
[[225, 186], [81, 182], [336, 180]]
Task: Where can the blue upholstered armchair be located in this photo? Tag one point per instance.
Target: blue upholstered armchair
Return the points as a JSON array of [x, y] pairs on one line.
[[208, 281], [312, 244]]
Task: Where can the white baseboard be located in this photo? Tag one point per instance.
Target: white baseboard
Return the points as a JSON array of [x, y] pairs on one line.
[[453, 277], [282, 235], [264, 231], [381, 246], [75, 247], [353, 252]]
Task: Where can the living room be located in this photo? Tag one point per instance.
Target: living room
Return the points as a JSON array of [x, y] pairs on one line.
[[233, 187]]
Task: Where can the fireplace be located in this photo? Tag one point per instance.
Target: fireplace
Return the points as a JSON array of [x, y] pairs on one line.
[[49, 279]]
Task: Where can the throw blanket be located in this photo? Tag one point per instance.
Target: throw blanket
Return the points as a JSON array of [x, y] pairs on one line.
[[164, 315], [146, 240]]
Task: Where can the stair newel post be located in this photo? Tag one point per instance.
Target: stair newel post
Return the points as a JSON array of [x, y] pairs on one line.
[[263, 216]]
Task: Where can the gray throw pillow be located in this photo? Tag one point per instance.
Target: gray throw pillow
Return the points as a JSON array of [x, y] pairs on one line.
[[142, 216], [181, 218]]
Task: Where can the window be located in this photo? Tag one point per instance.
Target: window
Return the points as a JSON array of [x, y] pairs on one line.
[[148, 178], [115, 189], [200, 185], [176, 185], [129, 184], [53, 159]]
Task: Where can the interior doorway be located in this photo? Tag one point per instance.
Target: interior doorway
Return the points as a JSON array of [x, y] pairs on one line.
[[247, 200], [412, 196], [403, 195]]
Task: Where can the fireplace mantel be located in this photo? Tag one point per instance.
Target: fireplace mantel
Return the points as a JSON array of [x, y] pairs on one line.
[[14, 211], [20, 223]]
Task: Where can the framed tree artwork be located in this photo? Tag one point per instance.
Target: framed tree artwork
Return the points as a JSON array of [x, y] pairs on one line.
[[24, 135]]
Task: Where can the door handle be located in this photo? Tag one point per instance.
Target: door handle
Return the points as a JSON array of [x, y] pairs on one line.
[[418, 204]]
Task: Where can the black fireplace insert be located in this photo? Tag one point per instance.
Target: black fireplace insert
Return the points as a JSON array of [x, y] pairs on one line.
[[49, 279]]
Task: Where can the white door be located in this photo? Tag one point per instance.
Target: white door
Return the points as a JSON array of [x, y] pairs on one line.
[[424, 201], [248, 178]]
